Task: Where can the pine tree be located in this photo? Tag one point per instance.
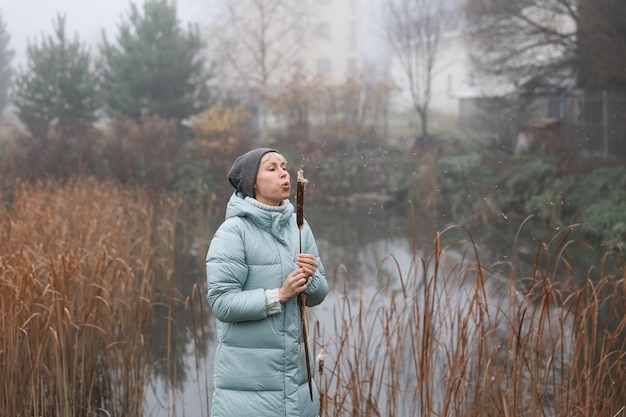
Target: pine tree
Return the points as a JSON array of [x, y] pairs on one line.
[[57, 89], [6, 56], [155, 67]]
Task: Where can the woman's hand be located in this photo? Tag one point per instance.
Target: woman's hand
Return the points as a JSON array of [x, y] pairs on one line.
[[294, 285], [308, 263], [296, 281]]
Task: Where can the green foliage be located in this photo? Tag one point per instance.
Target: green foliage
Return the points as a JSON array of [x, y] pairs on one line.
[[488, 188], [386, 173], [520, 180], [597, 199], [549, 203], [155, 67], [57, 90], [463, 181], [600, 198], [6, 56], [472, 182]]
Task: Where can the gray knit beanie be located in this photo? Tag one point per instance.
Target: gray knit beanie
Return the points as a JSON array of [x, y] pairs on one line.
[[242, 174]]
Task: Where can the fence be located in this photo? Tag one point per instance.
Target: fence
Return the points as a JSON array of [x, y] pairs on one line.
[[588, 123], [593, 123]]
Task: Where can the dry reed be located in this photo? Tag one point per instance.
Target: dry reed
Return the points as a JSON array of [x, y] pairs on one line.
[[78, 265], [458, 339], [78, 262]]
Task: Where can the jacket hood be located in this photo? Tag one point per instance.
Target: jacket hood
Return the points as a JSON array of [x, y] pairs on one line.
[[274, 222]]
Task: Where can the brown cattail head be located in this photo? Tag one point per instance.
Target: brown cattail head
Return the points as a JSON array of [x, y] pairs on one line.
[[301, 181]]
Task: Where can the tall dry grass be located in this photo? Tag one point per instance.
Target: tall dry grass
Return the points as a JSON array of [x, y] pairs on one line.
[[78, 262], [456, 338]]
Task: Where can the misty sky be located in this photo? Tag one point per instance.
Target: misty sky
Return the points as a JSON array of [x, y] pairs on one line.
[[32, 19]]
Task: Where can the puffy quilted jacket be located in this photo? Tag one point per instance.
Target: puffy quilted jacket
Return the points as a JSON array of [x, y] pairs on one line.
[[258, 371]]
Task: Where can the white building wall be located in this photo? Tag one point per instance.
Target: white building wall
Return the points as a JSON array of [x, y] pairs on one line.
[[450, 80], [334, 40], [451, 77]]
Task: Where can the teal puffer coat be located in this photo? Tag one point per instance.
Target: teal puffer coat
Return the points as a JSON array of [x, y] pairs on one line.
[[257, 367]]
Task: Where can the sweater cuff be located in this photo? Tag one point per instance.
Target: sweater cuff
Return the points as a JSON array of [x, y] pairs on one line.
[[272, 302]]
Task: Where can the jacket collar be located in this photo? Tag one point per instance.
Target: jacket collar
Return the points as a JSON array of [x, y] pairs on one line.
[[272, 220]]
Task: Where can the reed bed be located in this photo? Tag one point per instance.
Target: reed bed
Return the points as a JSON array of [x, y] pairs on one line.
[[78, 267], [457, 338], [82, 262]]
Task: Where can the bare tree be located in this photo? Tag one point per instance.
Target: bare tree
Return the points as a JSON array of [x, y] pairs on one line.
[[602, 45], [413, 29], [344, 113], [258, 42], [513, 41]]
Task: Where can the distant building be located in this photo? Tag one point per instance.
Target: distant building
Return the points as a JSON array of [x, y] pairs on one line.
[[331, 48], [307, 52], [328, 40], [451, 76]]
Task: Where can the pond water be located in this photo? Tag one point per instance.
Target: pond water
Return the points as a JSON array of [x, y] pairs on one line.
[[363, 246]]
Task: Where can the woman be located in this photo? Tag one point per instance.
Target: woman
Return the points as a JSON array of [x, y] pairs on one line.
[[254, 273]]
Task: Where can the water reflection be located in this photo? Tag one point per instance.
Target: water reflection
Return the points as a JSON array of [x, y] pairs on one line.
[[353, 241], [365, 247]]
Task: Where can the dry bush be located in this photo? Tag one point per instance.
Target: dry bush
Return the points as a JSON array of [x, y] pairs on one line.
[[220, 135], [51, 156], [78, 265], [146, 152], [333, 117], [221, 130]]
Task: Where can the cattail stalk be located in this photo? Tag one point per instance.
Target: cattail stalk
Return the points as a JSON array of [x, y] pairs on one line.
[[301, 181]]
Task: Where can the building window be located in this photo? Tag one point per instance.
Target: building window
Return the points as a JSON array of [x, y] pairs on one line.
[[351, 67], [322, 31], [298, 34], [353, 6], [324, 67], [298, 66], [352, 35]]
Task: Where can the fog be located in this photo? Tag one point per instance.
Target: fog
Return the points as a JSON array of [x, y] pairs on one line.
[[30, 20]]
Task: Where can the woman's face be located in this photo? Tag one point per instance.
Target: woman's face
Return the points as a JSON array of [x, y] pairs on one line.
[[272, 180]]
